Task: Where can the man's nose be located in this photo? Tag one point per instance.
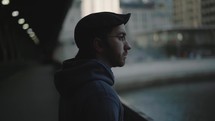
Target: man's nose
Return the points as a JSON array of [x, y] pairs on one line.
[[127, 45]]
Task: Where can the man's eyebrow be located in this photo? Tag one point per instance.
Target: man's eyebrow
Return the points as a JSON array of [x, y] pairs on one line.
[[122, 33]]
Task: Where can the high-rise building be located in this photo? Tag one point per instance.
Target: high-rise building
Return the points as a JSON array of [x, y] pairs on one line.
[[208, 12], [187, 13], [91, 6], [147, 15]]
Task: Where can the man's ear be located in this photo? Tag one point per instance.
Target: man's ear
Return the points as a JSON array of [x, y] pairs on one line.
[[98, 45]]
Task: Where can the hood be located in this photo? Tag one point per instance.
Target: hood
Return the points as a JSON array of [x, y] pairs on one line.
[[74, 74]]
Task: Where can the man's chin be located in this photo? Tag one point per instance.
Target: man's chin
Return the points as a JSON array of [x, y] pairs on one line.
[[120, 64]]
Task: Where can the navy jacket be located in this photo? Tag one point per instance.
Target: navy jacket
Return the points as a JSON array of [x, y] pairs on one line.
[[86, 92]]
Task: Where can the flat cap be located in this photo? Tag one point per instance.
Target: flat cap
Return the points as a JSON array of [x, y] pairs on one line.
[[89, 26]]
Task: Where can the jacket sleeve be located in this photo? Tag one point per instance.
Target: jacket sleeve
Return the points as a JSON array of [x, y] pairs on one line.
[[104, 108]]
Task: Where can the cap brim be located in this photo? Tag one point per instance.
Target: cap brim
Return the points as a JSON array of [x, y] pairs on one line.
[[126, 17]]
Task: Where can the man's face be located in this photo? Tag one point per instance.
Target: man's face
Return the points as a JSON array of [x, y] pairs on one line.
[[117, 49]]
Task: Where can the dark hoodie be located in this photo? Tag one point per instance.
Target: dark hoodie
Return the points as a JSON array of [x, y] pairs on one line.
[[86, 92]]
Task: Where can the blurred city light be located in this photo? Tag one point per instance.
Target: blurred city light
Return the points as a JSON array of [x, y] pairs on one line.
[[5, 2], [32, 34], [21, 21], [29, 31], [15, 13], [36, 40], [180, 36], [25, 26]]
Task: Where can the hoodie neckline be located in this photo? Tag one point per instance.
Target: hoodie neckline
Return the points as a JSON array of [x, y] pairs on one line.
[[76, 73]]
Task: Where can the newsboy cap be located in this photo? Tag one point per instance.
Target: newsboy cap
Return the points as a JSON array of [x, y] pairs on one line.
[[89, 26]]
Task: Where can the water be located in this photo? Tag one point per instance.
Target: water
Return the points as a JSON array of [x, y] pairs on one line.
[[178, 102]]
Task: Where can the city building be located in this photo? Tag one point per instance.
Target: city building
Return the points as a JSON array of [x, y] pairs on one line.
[[91, 6], [187, 13], [208, 12], [147, 15]]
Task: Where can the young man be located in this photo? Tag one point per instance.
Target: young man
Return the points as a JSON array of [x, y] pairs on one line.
[[85, 82]]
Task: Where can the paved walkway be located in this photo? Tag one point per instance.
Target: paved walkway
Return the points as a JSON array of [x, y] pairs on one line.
[[27, 93], [140, 74]]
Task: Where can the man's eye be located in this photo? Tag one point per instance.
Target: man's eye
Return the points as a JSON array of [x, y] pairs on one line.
[[122, 38]]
